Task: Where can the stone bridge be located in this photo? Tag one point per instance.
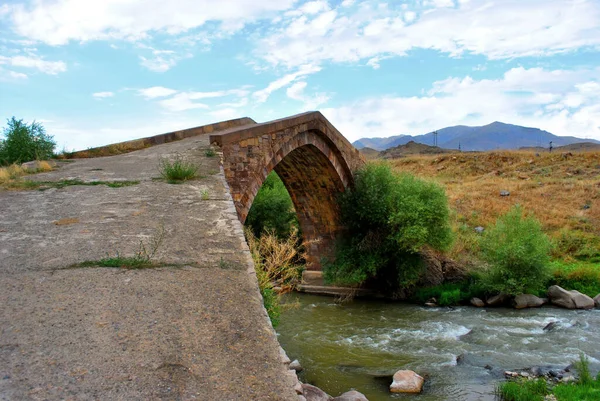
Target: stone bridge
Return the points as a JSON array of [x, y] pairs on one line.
[[314, 161]]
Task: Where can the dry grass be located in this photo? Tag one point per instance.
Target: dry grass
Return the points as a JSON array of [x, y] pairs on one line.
[[10, 175], [277, 261], [109, 150], [561, 190], [43, 166]]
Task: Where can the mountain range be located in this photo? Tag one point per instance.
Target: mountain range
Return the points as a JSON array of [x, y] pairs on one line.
[[496, 135]]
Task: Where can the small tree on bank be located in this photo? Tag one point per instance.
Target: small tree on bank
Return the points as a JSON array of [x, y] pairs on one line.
[[389, 218], [23, 143], [518, 253]]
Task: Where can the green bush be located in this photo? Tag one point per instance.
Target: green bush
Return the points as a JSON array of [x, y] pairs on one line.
[[389, 218], [518, 253], [448, 298], [23, 143], [177, 170], [272, 209]]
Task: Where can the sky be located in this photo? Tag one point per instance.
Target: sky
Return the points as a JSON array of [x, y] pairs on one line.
[[100, 72]]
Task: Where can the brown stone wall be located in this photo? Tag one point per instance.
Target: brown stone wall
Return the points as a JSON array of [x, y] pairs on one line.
[[312, 158]]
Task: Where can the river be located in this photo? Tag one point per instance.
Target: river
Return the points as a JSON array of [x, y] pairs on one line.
[[351, 345]]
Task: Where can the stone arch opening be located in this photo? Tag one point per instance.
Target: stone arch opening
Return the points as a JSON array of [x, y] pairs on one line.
[[313, 184]]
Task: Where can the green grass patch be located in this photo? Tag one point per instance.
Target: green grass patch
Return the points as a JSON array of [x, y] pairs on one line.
[[132, 262], [44, 185], [210, 153], [523, 390], [448, 294], [585, 389], [581, 276], [272, 305], [578, 392], [178, 170]]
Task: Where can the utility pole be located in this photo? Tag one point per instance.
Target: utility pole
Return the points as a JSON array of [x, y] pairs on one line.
[[459, 148], [435, 141]]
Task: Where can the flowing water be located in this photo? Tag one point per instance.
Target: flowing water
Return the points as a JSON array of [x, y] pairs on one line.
[[360, 344]]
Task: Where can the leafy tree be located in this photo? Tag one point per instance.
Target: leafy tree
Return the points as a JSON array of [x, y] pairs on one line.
[[23, 143], [272, 209], [518, 253], [389, 217]]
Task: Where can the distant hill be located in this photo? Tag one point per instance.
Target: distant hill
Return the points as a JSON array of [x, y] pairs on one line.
[[369, 153], [496, 135], [411, 148]]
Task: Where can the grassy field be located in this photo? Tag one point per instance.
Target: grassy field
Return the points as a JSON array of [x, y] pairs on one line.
[[562, 190]]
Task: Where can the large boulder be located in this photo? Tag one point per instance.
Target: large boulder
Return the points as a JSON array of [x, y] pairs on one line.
[[528, 301], [498, 300], [351, 396], [569, 299], [313, 393], [477, 302], [597, 300], [407, 381]]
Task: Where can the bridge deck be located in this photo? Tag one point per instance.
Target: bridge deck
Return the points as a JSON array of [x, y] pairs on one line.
[[191, 329]]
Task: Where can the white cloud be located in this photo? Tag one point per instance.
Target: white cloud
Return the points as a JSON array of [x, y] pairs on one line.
[[156, 91], [314, 7], [296, 92], [158, 63], [496, 29], [161, 60], [263, 94], [103, 95], [61, 21], [11, 76], [186, 100], [561, 102], [32, 61]]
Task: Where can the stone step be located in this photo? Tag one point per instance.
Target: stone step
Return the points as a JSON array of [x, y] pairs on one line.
[[330, 290]]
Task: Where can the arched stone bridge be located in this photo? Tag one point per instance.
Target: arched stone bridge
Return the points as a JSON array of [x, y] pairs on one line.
[[314, 161]]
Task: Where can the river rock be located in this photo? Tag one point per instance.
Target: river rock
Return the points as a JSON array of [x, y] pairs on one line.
[[295, 365], [477, 302], [498, 300], [283, 356], [569, 299], [351, 396], [528, 301], [597, 300], [407, 381], [313, 393]]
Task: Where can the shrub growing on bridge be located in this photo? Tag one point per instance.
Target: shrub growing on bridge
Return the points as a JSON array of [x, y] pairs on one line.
[[389, 218], [518, 253], [23, 143]]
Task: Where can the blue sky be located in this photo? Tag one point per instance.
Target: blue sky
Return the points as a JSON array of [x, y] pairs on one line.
[[98, 72]]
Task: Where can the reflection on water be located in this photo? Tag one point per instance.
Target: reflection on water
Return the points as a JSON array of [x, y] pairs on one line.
[[360, 344]]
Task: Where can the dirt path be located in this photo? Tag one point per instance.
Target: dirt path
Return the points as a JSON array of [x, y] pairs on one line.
[[193, 328]]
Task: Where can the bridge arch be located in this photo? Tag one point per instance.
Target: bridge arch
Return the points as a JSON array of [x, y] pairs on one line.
[[314, 161]]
